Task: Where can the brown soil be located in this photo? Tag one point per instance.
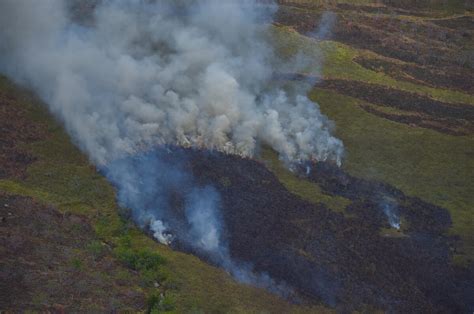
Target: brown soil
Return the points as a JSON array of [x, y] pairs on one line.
[[46, 266]]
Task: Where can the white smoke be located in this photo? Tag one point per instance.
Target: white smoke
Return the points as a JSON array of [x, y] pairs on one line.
[[202, 217], [147, 182], [142, 74], [160, 231], [390, 210], [152, 72]]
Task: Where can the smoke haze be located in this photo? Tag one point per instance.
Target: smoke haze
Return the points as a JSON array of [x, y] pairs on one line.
[[146, 74], [151, 73]]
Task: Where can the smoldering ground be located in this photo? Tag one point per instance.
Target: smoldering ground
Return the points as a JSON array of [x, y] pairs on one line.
[[137, 75]]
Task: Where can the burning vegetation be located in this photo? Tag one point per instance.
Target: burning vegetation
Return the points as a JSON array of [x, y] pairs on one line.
[[247, 195]]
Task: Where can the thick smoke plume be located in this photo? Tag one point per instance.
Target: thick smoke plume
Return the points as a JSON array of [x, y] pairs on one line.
[[141, 74], [149, 73]]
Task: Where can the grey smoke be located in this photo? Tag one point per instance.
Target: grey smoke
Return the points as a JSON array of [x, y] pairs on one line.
[[146, 74], [390, 209], [325, 26], [164, 198], [143, 76], [308, 69]]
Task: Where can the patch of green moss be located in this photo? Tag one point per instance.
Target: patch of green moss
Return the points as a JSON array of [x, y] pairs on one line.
[[434, 166]]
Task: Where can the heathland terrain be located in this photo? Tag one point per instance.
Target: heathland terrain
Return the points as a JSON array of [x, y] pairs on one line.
[[396, 77]]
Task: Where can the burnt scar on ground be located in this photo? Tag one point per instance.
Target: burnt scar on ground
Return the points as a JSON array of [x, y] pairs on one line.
[[453, 77], [423, 43], [43, 255], [343, 261], [462, 23], [422, 111]]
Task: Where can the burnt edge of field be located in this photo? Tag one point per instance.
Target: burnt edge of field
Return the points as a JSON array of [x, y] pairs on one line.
[[412, 109], [459, 23], [422, 8], [452, 77], [344, 261], [426, 43]]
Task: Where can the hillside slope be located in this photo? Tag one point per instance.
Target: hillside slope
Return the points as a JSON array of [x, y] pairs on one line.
[[396, 81], [65, 247]]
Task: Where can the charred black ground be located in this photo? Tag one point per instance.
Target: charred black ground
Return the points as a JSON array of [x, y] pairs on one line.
[[428, 76], [392, 37], [344, 260]]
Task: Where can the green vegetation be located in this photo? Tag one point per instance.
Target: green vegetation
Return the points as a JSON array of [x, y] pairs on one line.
[[433, 166], [141, 260], [305, 189], [96, 248], [160, 303], [321, 3], [436, 167], [439, 8], [147, 262], [76, 263], [335, 61]]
